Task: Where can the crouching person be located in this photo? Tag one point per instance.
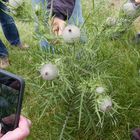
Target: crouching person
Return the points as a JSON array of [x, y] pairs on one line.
[[62, 12]]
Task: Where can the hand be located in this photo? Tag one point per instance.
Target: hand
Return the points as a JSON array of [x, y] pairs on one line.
[[19, 133], [137, 1], [58, 26]]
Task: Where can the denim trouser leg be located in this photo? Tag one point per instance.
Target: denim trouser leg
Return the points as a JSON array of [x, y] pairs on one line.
[[8, 26], [77, 17], [3, 50]]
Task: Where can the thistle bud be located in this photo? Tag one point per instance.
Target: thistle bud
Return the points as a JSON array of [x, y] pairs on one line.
[[105, 104], [100, 90], [71, 34], [49, 72]]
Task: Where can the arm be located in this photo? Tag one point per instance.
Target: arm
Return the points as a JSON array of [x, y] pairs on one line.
[[137, 1], [61, 9]]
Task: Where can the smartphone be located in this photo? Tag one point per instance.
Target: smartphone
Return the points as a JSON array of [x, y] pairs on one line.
[[11, 96]]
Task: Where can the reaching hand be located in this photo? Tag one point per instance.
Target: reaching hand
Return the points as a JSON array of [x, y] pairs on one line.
[[137, 1], [19, 133], [58, 26]]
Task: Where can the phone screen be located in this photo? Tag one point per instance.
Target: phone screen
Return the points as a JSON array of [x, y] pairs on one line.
[[9, 95]]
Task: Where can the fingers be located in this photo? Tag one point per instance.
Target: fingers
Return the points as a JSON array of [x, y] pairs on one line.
[[137, 1], [58, 26], [0, 135], [58, 30], [55, 29], [19, 133]]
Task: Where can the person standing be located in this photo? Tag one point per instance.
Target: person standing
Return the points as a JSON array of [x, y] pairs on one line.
[[11, 33]]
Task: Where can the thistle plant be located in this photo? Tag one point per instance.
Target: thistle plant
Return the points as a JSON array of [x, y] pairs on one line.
[[96, 81]]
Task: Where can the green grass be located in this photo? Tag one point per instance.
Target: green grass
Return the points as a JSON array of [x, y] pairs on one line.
[[62, 108]]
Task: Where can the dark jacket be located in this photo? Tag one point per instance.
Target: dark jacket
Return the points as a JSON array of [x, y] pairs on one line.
[[61, 8]]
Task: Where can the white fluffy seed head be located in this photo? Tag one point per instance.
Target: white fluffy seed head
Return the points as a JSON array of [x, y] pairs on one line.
[[71, 34], [100, 90], [49, 72], [106, 104], [129, 9], [15, 3], [111, 21]]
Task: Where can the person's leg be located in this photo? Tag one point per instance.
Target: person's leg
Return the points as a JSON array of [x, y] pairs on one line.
[[8, 26], [4, 62], [77, 17], [3, 50]]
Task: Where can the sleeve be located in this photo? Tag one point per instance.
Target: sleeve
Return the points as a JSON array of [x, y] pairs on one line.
[[61, 8]]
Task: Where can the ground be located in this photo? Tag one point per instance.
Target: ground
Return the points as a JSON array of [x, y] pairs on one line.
[[114, 63]]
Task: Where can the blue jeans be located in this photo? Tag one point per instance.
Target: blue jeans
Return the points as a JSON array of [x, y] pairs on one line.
[[9, 29], [3, 50], [76, 17]]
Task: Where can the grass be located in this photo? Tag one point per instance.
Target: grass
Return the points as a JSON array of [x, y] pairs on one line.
[[61, 109]]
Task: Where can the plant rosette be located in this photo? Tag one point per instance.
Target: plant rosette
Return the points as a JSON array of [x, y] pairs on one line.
[[49, 71], [71, 34]]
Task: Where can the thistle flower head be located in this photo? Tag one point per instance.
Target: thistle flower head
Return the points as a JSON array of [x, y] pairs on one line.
[[71, 34], [49, 72], [105, 104], [100, 90]]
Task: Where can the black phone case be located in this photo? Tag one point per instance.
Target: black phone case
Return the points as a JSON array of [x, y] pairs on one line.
[[20, 97]]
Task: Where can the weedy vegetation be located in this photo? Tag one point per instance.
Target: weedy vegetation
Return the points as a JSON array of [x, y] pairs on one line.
[[96, 95]]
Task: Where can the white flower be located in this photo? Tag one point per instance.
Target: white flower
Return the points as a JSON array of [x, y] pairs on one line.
[[100, 90], [71, 34], [49, 72], [129, 9], [111, 21], [105, 104], [15, 3]]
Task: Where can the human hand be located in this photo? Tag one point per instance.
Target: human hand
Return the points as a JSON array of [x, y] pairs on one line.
[[58, 26], [137, 1], [19, 133]]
